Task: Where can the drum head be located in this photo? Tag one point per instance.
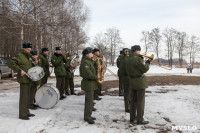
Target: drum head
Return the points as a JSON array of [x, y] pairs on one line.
[[36, 73], [47, 96]]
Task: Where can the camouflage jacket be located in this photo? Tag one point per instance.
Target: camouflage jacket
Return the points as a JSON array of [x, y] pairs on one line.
[[135, 69], [88, 73]]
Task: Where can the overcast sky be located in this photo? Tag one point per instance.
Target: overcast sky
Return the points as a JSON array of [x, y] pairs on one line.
[[131, 17]]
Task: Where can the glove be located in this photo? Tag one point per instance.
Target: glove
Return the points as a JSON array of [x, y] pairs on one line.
[[141, 57], [148, 61]]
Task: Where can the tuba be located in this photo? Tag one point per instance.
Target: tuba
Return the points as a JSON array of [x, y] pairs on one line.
[[74, 62], [100, 70]]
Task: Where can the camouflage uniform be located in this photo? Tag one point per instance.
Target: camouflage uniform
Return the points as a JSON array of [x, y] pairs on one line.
[[136, 69], [22, 61], [88, 84], [58, 61]]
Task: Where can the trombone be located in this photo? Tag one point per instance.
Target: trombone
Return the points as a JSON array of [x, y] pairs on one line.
[[157, 63]]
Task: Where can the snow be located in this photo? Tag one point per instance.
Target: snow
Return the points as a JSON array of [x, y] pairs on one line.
[[180, 105], [113, 89], [153, 71], [166, 106]]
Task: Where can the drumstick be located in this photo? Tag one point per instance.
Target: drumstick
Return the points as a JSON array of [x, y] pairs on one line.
[[25, 73], [51, 70]]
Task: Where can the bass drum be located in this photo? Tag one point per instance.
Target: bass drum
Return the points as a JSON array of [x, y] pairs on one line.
[[47, 96]]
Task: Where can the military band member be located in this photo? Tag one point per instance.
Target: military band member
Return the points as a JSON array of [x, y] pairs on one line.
[[138, 84], [88, 83], [97, 93], [34, 84], [21, 63], [58, 61], [43, 57], [121, 90], [125, 79], [69, 79]]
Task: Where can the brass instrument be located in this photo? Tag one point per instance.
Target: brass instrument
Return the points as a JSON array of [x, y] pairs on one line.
[[157, 63], [149, 57], [100, 70], [74, 62]]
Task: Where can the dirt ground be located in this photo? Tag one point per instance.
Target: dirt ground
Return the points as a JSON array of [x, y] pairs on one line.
[[155, 81], [8, 84]]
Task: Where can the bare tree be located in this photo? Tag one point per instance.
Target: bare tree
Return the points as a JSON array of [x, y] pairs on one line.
[[146, 40], [43, 23], [155, 39], [193, 48], [181, 42], [170, 40], [114, 41], [101, 43]]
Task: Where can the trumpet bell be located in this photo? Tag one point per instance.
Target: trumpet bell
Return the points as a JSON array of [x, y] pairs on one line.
[[149, 57], [157, 63]]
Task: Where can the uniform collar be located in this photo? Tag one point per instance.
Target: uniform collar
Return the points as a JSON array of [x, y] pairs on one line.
[[134, 54], [25, 53], [87, 58], [57, 54], [43, 54]]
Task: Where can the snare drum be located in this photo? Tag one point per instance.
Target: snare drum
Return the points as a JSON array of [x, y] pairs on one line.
[[47, 96], [35, 73]]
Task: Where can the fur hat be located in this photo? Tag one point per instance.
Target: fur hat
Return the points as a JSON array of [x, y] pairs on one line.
[[34, 52], [45, 49], [96, 50], [26, 45], [135, 47], [58, 48], [87, 51]]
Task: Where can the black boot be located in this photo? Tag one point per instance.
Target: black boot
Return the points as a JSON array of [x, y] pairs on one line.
[[30, 115], [132, 121], [101, 94], [24, 117], [93, 118], [94, 109], [142, 122], [90, 121], [32, 107], [67, 93], [72, 93], [98, 98], [127, 111], [62, 97], [35, 105]]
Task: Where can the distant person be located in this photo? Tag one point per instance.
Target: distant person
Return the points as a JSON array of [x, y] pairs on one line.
[[58, 61], [125, 79], [189, 68], [43, 57], [97, 92], [69, 79], [121, 90], [35, 84]]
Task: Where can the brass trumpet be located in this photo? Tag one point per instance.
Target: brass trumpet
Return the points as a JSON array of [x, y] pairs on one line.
[[149, 57], [157, 63]]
